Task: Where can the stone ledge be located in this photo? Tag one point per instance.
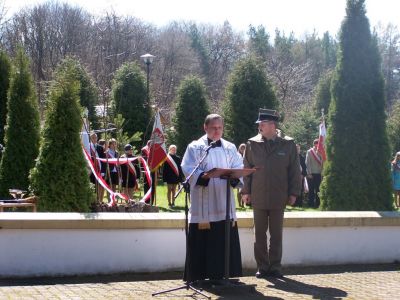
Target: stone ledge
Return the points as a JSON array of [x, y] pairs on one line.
[[176, 220]]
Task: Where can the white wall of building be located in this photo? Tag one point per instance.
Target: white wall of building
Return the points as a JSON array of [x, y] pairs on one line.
[[38, 252]]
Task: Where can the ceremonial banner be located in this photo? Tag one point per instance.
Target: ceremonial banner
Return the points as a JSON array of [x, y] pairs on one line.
[[321, 140], [157, 150], [128, 160], [116, 161], [102, 182]]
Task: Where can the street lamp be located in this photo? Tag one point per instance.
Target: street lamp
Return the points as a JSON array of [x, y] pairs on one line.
[[148, 59]]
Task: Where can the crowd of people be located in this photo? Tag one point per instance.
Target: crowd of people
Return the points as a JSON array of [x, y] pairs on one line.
[[125, 177]]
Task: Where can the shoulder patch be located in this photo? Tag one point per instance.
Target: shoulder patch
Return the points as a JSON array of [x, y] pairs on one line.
[[288, 138], [257, 138]]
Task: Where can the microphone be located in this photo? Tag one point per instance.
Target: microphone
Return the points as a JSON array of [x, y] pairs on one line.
[[213, 144]]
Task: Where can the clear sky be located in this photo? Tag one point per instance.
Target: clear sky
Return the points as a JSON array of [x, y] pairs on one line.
[[299, 16]]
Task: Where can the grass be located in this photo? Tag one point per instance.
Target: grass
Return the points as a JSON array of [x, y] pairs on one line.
[[162, 202]]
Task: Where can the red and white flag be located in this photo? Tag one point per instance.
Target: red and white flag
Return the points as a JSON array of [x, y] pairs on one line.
[[321, 140], [157, 149]]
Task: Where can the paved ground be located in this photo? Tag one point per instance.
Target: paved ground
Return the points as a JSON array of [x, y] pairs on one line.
[[339, 282]]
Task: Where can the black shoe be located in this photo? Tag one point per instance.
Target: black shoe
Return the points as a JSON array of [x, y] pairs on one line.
[[261, 274], [275, 274]]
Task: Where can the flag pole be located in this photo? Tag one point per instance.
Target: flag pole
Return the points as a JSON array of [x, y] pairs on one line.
[[154, 179]]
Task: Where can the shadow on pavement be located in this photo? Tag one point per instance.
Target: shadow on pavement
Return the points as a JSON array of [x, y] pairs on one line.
[[177, 275], [354, 268], [237, 290], [82, 279], [297, 287]]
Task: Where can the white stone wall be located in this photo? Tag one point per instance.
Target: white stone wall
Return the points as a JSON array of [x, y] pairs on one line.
[[38, 252]]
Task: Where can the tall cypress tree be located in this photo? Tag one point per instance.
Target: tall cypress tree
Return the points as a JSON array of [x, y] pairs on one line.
[[356, 175], [60, 177], [248, 90], [22, 130], [129, 94], [191, 110], [5, 71]]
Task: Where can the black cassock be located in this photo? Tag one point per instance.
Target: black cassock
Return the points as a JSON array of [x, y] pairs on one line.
[[206, 253]]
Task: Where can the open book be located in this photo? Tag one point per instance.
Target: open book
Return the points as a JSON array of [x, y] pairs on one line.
[[228, 173]]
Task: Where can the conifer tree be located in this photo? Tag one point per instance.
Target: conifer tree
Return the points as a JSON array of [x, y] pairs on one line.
[[258, 42], [5, 71], [22, 129], [247, 90], [191, 110], [130, 98], [303, 126], [323, 93], [60, 177], [356, 175], [329, 51], [88, 91]]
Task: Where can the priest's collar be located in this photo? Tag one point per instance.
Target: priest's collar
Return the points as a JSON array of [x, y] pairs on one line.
[[217, 144]]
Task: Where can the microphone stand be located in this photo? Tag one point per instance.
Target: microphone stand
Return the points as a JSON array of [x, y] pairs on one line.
[[185, 185]]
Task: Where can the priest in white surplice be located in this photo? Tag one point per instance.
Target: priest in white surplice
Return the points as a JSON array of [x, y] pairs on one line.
[[205, 257]]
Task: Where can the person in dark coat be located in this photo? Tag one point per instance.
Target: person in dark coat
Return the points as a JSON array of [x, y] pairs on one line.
[[303, 168], [112, 174], [130, 172], [145, 152], [97, 151], [172, 174]]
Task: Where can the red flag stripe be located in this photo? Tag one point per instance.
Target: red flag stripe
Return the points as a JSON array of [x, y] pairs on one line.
[[104, 184], [157, 150]]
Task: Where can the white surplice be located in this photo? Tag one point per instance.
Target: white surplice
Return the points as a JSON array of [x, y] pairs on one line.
[[208, 204]]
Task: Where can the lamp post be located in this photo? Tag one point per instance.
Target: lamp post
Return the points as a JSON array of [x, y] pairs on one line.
[[148, 59]]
